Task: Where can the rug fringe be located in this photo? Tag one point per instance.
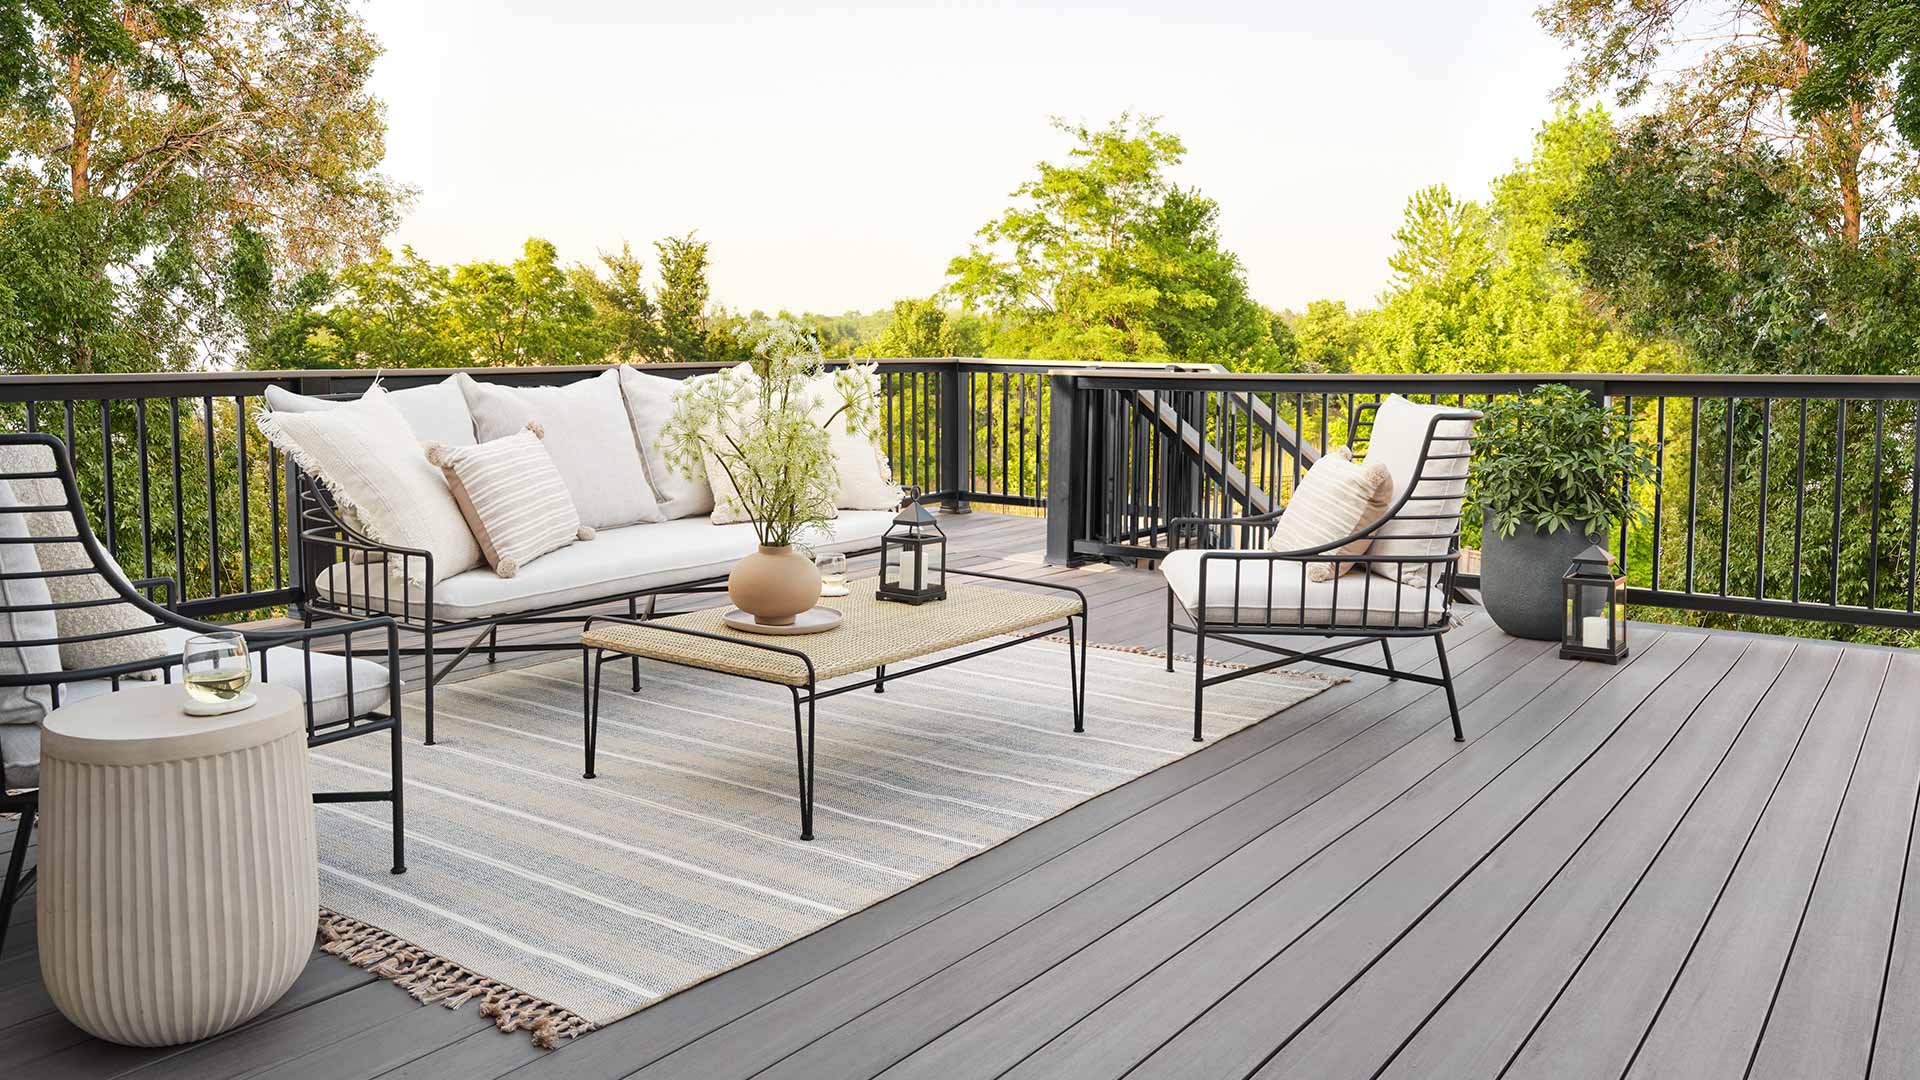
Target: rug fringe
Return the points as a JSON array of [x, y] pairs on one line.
[[433, 980]]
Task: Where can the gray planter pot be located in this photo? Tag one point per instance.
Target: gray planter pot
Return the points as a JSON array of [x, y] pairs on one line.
[[1520, 579]]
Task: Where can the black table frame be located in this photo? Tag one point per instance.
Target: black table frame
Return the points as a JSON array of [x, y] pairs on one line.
[[595, 658]]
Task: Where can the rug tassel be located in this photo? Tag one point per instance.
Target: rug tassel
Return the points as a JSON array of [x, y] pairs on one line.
[[436, 981]]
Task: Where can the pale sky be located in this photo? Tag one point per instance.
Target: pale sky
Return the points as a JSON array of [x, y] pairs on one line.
[[837, 156]]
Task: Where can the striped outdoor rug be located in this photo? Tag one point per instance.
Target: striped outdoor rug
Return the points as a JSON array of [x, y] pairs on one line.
[[563, 904]]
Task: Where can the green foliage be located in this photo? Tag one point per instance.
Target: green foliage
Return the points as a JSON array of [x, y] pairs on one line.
[[1859, 46], [925, 328], [1104, 258], [759, 425], [1554, 459]]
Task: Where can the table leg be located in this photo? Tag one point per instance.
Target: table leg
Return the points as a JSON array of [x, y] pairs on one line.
[[1073, 681], [880, 679], [590, 707], [803, 753]]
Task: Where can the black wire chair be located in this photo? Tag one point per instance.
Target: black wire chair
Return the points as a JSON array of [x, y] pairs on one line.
[[1249, 615], [294, 647]]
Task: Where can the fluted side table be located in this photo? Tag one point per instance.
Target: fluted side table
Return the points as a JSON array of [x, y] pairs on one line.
[[178, 884]]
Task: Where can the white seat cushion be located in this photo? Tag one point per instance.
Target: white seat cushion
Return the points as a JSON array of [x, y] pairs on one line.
[[618, 561], [20, 743], [1354, 599]]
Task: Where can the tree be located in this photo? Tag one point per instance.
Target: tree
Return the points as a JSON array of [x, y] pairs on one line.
[[621, 304], [925, 328], [683, 297], [1759, 78], [1328, 337], [156, 150], [1105, 258]]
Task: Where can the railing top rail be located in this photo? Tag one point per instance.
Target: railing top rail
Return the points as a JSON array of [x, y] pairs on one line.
[[1442, 384]]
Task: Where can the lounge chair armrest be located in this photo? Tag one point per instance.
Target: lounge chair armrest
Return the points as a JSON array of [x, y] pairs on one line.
[[1202, 528]]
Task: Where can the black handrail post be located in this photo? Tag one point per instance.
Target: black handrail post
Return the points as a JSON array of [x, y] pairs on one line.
[[955, 448], [1068, 510]]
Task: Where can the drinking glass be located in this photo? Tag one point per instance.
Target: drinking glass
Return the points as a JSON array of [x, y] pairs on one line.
[[833, 573], [214, 667]]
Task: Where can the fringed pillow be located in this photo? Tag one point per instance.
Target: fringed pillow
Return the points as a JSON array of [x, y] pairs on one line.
[[1336, 497], [512, 496]]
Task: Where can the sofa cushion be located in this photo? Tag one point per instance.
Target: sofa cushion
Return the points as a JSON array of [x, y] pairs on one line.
[[589, 436], [864, 479], [20, 744], [512, 497], [436, 412], [1353, 599], [649, 401], [1399, 434], [618, 561]]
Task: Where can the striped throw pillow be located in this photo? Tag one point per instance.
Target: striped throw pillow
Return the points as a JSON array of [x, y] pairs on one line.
[[1337, 496], [512, 496]]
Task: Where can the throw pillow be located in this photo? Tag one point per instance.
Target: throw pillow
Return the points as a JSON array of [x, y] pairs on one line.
[[589, 436], [512, 497], [1399, 433], [436, 412], [1336, 497], [865, 477], [74, 588], [649, 401], [364, 454]]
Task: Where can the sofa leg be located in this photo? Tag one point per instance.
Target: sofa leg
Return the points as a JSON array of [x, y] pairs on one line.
[[1387, 648], [493, 644], [427, 699], [1169, 630], [1446, 675]]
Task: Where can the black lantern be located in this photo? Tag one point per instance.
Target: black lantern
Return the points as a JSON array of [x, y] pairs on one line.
[[913, 558], [1595, 626]]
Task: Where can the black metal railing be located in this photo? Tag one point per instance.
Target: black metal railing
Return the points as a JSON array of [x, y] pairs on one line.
[[1774, 496]]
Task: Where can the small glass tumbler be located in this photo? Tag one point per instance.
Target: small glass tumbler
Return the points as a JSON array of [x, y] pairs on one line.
[[214, 667], [833, 573]]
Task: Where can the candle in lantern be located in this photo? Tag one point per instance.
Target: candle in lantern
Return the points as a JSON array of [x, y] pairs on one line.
[[1593, 632]]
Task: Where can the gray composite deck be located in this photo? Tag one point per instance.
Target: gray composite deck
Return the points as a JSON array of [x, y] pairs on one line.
[[1694, 864]]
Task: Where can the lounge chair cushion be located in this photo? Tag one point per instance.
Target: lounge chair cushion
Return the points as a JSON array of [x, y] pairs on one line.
[[20, 744], [1355, 599], [1399, 435], [617, 562], [1334, 499], [20, 591]]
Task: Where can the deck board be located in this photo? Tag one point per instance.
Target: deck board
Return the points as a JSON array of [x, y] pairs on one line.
[[1698, 860]]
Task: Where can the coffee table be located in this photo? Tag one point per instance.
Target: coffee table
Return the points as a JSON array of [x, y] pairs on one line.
[[875, 635]]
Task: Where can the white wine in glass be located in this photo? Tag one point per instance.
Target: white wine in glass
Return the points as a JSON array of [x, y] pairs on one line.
[[214, 667], [833, 573]]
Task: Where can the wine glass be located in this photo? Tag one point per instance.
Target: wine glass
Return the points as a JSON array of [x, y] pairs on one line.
[[833, 573], [214, 667]]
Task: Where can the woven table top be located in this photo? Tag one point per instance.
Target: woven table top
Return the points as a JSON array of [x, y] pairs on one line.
[[874, 632]]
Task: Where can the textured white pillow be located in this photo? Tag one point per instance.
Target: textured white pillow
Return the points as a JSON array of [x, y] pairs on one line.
[[866, 479], [1399, 433], [1336, 497], [589, 436], [74, 588], [512, 497], [365, 455], [436, 412], [649, 401]]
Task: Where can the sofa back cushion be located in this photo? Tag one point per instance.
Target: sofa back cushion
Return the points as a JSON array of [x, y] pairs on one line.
[[864, 477], [649, 400], [512, 497], [1425, 524], [436, 412], [588, 435], [366, 456]]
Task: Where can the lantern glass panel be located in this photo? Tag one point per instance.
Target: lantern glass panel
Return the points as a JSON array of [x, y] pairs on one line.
[[1595, 622]]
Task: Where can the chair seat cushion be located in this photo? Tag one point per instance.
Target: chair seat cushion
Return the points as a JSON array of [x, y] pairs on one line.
[[617, 562], [20, 743], [1273, 592]]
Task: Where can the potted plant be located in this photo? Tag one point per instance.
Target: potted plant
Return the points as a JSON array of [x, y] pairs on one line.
[[1554, 473], [759, 432]]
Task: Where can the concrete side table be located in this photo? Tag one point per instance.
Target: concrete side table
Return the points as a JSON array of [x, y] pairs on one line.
[[178, 883]]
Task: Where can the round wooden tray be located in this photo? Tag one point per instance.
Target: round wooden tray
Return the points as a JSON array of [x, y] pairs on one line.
[[816, 620]]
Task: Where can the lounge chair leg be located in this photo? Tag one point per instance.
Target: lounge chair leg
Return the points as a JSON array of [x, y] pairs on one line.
[[1199, 675], [427, 698], [1387, 648], [1453, 704], [399, 799], [493, 644], [10, 889], [1169, 630]]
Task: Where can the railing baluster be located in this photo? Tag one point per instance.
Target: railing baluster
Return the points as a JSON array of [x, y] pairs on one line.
[[1799, 498], [1659, 481], [179, 504], [1760, 538], [246, 482], [1839, 481], [1726, 494], [107, 534], [213, 503], [1693, 487], [1873, 529], [146, 486]]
